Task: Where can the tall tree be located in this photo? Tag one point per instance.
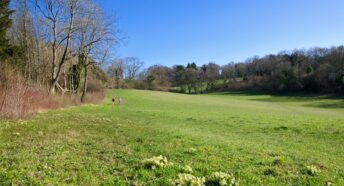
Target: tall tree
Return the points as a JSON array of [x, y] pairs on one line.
[[59, 16], [5, 24], [24, 36], [94, 37]]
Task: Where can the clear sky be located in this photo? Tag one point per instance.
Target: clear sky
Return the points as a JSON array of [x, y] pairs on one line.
[[169, 32]]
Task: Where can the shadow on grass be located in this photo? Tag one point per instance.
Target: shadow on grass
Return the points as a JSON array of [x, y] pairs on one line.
[[336, 105], [311, 100]]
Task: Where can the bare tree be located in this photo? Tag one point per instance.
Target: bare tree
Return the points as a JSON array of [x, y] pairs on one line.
[[94, 37], [132, 65], [116, 71], [228, 72], [59, 17]]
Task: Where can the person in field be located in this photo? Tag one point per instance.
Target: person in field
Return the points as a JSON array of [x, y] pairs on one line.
[[113, 100], [119, 100]]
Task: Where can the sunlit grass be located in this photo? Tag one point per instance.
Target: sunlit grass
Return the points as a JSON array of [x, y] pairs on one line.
[[259, 139]]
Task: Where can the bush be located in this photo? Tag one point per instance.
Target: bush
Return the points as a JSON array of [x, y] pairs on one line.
[[17, 100], [94, 86], [94, 97], [140, 84], [15, 97]]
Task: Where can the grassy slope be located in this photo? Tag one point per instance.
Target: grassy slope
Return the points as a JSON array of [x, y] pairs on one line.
[[261, 139]]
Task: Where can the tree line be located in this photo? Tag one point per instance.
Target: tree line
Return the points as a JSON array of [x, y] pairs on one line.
[[316, 70]]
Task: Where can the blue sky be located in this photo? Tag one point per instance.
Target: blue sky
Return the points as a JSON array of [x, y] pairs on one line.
[[169, 32]]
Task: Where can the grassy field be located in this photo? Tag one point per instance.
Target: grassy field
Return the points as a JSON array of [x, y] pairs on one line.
[[260, 139]]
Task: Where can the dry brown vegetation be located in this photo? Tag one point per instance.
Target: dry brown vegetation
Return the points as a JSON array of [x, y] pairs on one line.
[[17, 100]]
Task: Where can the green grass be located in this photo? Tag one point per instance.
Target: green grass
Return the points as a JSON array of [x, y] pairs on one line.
[[261, 139]]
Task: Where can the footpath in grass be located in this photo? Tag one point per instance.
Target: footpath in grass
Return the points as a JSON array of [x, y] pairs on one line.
[[254, 139]]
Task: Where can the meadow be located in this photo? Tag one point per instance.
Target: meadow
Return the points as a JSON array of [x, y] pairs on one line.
[[258, 139]]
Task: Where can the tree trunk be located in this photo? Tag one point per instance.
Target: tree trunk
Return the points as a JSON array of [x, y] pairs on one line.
[[52, 86], [85, 84], [63, 59], [189, 88], [53, 81], [71, 82]]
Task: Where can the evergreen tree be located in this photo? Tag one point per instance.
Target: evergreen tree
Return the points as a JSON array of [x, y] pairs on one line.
[[5, 23]]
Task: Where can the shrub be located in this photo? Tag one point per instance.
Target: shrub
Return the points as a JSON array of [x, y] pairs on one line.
[[15, 97], [188, 180], [94, 86], [94, 97], [17, 100], [140, 84]]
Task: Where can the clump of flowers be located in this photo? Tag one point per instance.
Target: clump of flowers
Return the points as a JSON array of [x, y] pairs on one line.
[[188, 180], [222, 179], [187, 169], [312, 170], [156, 162]]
